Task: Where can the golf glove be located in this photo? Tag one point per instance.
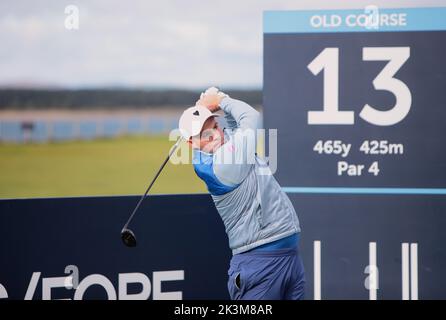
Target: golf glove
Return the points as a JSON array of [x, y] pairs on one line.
[[213, 90]]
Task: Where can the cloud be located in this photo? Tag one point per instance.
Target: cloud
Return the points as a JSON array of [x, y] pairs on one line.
[[140, 43]]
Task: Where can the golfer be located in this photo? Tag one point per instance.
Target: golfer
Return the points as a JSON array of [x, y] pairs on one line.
[[260, 221]]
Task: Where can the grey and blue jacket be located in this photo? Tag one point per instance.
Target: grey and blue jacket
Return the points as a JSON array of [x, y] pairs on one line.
[[253, 207]]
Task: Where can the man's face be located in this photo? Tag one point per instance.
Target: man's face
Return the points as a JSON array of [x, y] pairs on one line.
[[210, 138]]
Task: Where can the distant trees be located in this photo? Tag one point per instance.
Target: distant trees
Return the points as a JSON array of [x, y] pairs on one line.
[[109, 98]]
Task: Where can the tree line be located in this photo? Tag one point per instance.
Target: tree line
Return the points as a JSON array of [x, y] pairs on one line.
[[109, 98]]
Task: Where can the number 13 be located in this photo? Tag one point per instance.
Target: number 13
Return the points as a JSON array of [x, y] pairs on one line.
[[328, 60]]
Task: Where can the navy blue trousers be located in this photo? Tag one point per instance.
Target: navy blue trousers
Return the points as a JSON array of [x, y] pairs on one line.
[[267, 275]]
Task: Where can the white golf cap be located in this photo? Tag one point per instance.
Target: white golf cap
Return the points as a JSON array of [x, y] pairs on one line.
[[193, 119]]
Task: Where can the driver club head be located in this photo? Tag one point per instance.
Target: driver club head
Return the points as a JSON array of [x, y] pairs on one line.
[[128, 237]]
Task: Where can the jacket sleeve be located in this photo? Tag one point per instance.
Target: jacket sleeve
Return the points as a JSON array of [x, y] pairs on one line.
[[239, 114], [234, 160]]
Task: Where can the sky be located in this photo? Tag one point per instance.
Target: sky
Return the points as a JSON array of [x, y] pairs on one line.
[[143, 43]]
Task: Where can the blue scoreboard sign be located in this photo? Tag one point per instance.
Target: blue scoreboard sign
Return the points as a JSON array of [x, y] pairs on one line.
[[359, 101], [358, 98]]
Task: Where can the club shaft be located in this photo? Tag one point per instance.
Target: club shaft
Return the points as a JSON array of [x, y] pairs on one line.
[[151, 183]]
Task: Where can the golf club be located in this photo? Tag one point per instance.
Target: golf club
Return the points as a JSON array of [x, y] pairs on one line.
[[127, 235]]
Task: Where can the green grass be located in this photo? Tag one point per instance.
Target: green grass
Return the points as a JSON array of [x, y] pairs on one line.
[[86, 168]]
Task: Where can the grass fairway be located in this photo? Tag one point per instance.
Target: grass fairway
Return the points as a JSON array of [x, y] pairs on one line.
[[86, 168]]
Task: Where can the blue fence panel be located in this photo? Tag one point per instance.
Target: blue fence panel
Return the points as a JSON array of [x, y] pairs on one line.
[[11, 131], [156, 125], [40, 131], [111, 128], [62, 130], [134, 126], [88, 129]]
